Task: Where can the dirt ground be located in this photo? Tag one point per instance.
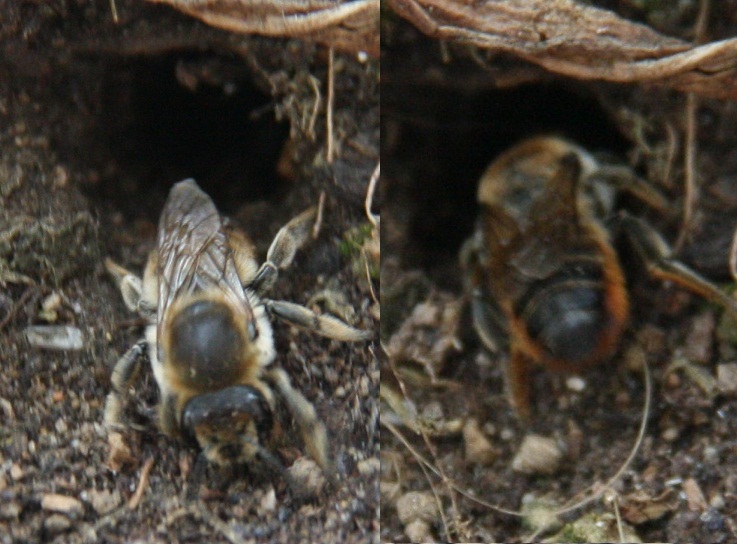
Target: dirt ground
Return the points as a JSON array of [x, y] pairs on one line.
[[447, 110], [98, 121]]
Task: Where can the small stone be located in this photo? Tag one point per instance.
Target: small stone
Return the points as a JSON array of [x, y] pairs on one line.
[[62, 504], [576, 384], [55, 337], [268, 501], [478, 447], [670, 434], [306, 476], [727, 378], [418, 531], [417, 506], [16, 472], [56, 524], [104, 501], [10, 510], [120, 454], [537, 455], [369, 466]]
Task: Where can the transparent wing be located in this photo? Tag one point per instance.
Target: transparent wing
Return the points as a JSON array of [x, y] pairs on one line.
[[193, 250]]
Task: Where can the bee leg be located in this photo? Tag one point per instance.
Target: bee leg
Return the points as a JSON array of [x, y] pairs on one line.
[[657, 257], [314, 435], [130, 285], [325, 325], [196, 477], [518, 383], [167, 413], [290, 238], [121, 378], [488, 320]]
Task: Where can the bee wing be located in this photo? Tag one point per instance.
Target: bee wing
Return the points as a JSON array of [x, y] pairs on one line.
[[193, 249]]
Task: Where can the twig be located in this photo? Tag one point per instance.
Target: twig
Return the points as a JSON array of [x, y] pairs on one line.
[[733, 256], [114, 11], [318, 218], [315, 108], [27, 295], [370, 195], [689, 182], [331, 93], [135, 499]]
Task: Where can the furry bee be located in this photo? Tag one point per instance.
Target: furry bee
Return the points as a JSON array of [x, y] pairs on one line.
[[541, 267], [208, 336]]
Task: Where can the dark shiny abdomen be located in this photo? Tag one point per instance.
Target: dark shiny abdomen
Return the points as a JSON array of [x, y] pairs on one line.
[[566, 314]]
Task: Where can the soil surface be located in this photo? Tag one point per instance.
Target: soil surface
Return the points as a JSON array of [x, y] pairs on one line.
[[99, 119], [449, 438]]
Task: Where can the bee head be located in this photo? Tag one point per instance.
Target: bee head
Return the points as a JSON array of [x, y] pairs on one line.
[[208, 343], [229, 425]]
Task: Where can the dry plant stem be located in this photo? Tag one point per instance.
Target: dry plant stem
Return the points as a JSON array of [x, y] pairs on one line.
[[331, 93], [315, 84], [350, 26], [579, 41], [370, 195], [137, 496], [690, 195], [114, 11], [318, 218], [29, 294], [692, 106]]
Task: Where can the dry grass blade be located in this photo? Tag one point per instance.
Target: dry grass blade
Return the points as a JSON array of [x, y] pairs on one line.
[[579, 41], [351, 26]]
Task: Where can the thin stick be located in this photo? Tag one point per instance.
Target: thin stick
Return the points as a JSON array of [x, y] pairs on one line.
[[689, 183], [692, 107], [315, 108], [137, 496], [370, 195], [25, 298], [331, 94], [114, 10], [318, 218], [733, 256]]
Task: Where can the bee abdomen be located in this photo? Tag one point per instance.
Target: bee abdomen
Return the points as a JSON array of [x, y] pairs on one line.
[[206, 346], [566, 315]]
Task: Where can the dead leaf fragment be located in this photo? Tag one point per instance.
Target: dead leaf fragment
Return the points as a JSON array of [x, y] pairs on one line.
[[579, 41], [351, 26], [640, 507], [694, 496]]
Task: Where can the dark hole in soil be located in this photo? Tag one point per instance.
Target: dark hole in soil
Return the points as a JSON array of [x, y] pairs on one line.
[[184, 115], [440, 141]]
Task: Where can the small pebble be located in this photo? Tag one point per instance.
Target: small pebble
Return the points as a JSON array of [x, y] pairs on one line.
[[307, 476], [670, 434], [62, 504], [104, 501], [369, 466], [537, 455], [478, 447], [55, 337], [56, 524], [727, 377], [576, 384], [268, 501], [418, 531], [417, 506]]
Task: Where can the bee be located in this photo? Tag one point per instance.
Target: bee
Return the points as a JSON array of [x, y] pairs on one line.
[[209, 338], [541, 268]]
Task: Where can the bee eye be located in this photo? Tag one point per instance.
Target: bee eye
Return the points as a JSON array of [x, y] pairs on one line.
[[252, 331]]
